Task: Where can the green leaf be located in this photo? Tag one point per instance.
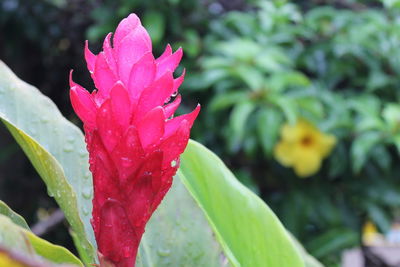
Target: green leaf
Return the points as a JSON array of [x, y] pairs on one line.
[[249, 232], [178, 234], [253, 78], [396, 142], [12, 237], [226, 100], [288, 107], [378, 216], [20, 239], [15, 217], [309, 261], [361, 147], [241, 49], [238, 120], [52, 252], [55, 148], [154, 22], [269, 123], [391, 114], [281, 81], [333, 241]]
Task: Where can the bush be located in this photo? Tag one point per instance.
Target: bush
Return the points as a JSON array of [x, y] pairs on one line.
[[337, 69]]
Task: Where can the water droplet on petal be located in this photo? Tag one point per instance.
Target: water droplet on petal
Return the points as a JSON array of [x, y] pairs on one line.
[[173, 163], [126, 161], [127, 252]]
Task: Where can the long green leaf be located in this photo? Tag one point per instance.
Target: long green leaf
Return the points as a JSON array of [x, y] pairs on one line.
[[249, 232], [179, 235], [14, 217], [54, 146], [17, 238]]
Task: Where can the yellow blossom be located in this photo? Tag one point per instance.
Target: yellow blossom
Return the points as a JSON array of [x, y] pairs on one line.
[[370, 235], [303, 147], [6, 260]]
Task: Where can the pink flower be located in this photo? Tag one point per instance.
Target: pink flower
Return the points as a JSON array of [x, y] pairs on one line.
[[134, 143]]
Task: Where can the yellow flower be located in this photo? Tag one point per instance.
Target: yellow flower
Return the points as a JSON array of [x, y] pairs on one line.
[[6, 260], [303, 147], [370, 235]]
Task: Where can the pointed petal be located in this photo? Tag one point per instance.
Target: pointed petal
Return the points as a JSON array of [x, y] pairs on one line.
[[128, 154], [156, 94], [172, 125], [143, 187], [107, 126], [178, 81], [170, 109], [82, 103], [105, 182], [89, 57], [175, 144], [164, 185], [109, 54], [169, 63], [142, 74], [117, 239], [120, 104], [103, 76], [125, 27], [130, 50], [151, 127], [167, 53]]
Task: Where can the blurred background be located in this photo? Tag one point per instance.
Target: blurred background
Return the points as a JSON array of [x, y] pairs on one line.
[[299, 98]]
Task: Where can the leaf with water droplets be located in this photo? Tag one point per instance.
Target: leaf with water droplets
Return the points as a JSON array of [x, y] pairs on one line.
[[16, 218], [55, 147], [247, 229], [21, 240], [178, 234]]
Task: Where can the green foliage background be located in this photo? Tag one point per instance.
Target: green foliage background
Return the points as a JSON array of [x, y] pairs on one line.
[[253, 65]]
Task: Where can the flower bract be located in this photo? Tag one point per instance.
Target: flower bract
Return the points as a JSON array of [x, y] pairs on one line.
[[134, 142]]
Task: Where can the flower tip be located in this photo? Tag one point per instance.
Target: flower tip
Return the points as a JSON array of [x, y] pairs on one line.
[[71, 82]]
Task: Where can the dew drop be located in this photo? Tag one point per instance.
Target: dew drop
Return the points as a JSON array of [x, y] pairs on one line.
[[44, 119], [85, 211], [68, 148], [70, 139], [82, 152], [127, 251], [32, 131], [87, 192], [126, 162], [173, 163], [87, 175], [50, 193], [163, 252]]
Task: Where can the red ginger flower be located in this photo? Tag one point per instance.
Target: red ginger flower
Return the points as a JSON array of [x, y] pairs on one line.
[[134, 145]]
